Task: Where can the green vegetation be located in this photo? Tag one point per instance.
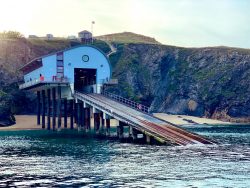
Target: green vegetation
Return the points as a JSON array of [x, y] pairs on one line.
[[128, 37], [101, 45], [11, 35], [48, 44]]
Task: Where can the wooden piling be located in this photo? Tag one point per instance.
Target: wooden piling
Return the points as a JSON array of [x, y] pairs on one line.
[[43, 109], [108, 127], [71, 114], [48, 110], [59, 112], [87, 118], [54, 109], [38, 108], [82, 118], [65, 112], [97, 122], [78, 115], [102, 123]]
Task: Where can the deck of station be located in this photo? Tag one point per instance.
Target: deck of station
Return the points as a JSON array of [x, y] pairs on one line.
[[145, 123]]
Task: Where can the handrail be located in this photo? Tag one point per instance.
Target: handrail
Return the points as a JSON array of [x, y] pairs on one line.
[[43, 80], [128, 102]]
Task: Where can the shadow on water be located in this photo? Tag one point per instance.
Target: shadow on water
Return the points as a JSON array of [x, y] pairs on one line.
[[69, 159]]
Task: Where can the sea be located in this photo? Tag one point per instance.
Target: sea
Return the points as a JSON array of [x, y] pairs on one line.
[[40, 158]]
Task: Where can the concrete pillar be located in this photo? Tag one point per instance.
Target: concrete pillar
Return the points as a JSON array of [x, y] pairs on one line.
[[59, 111], [97, 122], [48, 109], [38, 108], [71, 108], [54, 109], [43, 109], [65, 112], [108, 127], [87, 118]]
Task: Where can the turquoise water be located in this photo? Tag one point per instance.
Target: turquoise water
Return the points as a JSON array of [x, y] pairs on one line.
[[45, 159]]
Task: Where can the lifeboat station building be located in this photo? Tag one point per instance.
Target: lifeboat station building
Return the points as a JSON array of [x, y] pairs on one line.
[[57, 76], [69, 83]]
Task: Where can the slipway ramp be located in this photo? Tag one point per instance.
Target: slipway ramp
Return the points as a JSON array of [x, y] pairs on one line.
[[143, 122]]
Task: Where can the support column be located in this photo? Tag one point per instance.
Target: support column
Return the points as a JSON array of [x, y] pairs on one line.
[[75, 111], [59, 112], [38, 108], [65, 113], [120, 130], [54, 109], [148, 139], [97, 122], [71, 114], [82, 117], [102, 123], [78, 115], [108, 127], [132, 133], [87, 118], [43, 109], [48, 110]]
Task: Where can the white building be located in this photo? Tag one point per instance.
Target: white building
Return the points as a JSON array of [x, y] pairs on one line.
[[83, 68], [85, 36]]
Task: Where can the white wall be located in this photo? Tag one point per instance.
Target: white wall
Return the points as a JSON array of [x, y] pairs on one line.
[[47, 70], [73, 59]]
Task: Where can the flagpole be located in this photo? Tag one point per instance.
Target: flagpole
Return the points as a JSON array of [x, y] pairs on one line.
[[92, 30]]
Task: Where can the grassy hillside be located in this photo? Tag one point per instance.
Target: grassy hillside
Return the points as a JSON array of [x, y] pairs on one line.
[[127, 37]]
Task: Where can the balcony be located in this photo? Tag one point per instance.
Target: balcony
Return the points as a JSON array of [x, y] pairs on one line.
[[44, 81]]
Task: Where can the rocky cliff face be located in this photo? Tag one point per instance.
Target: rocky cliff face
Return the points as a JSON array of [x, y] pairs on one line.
[[212, 82]]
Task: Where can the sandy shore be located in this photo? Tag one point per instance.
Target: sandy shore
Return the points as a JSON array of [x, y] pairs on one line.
[[23, 122], [187, 120], [28, 122]]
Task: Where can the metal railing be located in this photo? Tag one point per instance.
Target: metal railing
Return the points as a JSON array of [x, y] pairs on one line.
[[127, 102], [43, 80]]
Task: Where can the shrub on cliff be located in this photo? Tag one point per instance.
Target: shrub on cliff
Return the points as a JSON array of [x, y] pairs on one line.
[[11, 35], [6, 117]]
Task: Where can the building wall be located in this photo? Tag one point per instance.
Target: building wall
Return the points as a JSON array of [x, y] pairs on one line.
[[73, 58], [97, 60], [47, 70]]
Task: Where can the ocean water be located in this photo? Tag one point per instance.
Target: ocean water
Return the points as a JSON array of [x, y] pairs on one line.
[[46, 159]]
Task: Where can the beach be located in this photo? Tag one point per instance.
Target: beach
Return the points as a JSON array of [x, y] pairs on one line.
[[188, 120], [28, 122]]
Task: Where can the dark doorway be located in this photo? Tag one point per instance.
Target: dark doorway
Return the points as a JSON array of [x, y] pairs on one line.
[[84, 79]]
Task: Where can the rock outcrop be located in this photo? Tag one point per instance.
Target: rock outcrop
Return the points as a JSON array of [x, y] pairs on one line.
[[212, 82]]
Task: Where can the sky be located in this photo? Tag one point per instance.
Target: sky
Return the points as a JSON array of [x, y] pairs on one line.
[[188, 23]]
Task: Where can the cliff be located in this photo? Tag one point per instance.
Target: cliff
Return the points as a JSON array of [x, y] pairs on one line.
[[212, 82]]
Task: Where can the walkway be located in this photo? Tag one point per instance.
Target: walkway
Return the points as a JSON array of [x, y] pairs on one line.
[[144, 123]]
